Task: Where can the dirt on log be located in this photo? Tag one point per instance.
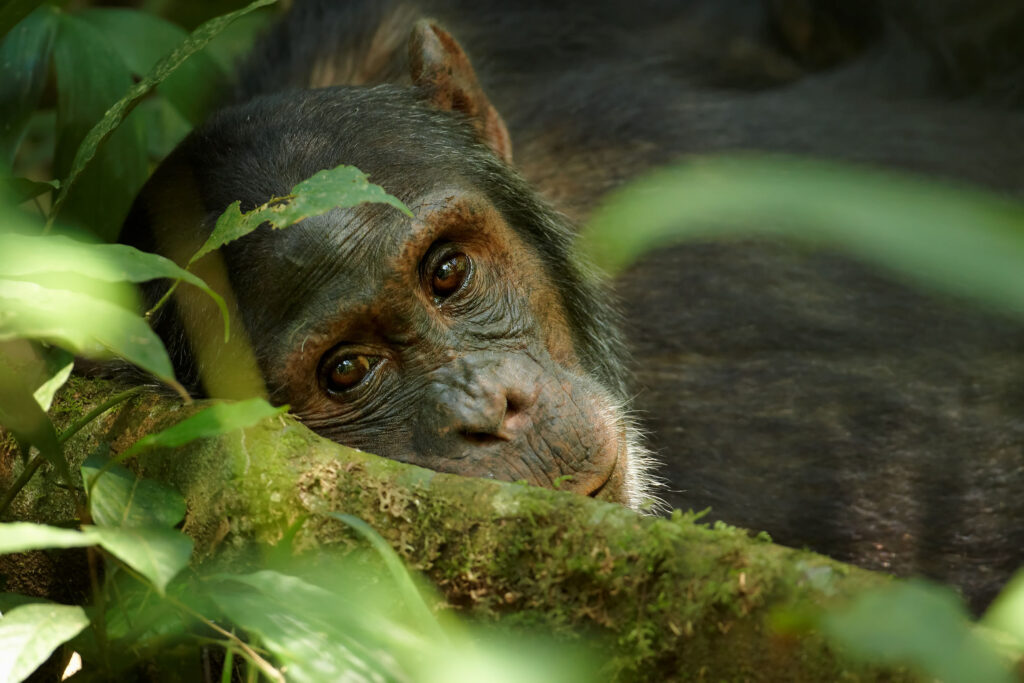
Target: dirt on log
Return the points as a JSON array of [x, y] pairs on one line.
[[674, 599]]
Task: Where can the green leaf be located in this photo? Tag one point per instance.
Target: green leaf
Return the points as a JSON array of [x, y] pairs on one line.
[[142, 39], [24, 64], [949, 237], [213, 420], [18, 537], [24, 256], [123, 499], [22, 415], [59, 364], [81, 324], [155, 552], [13, 11], [23, 189], [91, 76], [30, 633], [916, 624], [1007, 612], [314, 633], [340, 187], [117, 113], [425, 618]]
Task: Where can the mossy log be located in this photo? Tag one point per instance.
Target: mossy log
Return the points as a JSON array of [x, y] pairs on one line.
[[679, 600]]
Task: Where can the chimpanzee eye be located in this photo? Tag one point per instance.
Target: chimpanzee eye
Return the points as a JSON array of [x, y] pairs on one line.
[[342, 373], [449, 275]]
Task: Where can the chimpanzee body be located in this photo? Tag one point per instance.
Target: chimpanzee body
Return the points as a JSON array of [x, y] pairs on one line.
[[792, 391]]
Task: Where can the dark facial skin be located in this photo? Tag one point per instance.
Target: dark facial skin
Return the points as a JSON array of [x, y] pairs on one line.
[[439, 342]]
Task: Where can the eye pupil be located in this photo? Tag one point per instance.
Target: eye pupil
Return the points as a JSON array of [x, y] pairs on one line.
[[449, 276], [348, 371]]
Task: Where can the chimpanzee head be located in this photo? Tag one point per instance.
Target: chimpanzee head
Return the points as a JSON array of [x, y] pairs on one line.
[[467, 339]]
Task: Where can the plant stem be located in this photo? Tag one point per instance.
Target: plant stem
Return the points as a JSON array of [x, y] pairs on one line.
[[96, 412], [163, 300], [20, 482], [73, 429]]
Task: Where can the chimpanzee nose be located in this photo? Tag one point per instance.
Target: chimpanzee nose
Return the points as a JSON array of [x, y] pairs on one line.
[[499, 416], [483, 398]]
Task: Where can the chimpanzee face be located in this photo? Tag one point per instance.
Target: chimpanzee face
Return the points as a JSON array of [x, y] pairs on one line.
[[466, 339]]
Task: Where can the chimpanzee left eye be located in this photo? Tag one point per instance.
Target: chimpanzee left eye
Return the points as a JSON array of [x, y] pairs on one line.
[[348, 371], [449, 275]]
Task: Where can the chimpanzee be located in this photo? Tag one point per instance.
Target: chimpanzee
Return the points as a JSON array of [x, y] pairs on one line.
[[790, 390]]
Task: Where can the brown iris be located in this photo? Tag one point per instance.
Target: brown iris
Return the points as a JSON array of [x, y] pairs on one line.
[[449, 275], [348, 371]]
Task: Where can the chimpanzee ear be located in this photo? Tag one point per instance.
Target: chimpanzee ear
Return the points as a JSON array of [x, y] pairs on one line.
[[442, 71]]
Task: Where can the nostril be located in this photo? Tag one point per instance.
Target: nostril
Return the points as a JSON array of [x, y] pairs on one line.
[[482, 438]]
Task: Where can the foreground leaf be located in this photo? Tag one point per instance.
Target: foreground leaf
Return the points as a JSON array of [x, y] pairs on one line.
[[117, 113], [315, 634], [81, 324], [155, 552], [948, 237], [920, 625], [123, 499], [340, 187], [18, 537], [22, 415], [30, 633], [213, 420], [24, 256], [59, 364], [1007, 612]]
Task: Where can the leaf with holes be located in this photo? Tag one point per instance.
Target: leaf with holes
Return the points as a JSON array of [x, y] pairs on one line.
[[340, 187]]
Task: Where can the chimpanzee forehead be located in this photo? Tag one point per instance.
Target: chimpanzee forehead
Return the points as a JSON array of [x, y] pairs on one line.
[[314, 276]]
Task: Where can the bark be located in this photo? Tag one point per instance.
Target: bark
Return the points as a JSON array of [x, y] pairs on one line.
[[674, 599]]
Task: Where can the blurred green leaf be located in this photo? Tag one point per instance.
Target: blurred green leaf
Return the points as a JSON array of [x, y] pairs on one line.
[[426, 621], [155, 552], [59, 364], [24, 65], [30, 633], [340, 187], [315, 634], [91, 76], [13, 11], [952, 238], [22, 415], [920, 625], [81, 324], [17, 537], [120, 498], [213, 420], [23, 189], [142, 39], [117, 113], [24, 256], [1007, 612]]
